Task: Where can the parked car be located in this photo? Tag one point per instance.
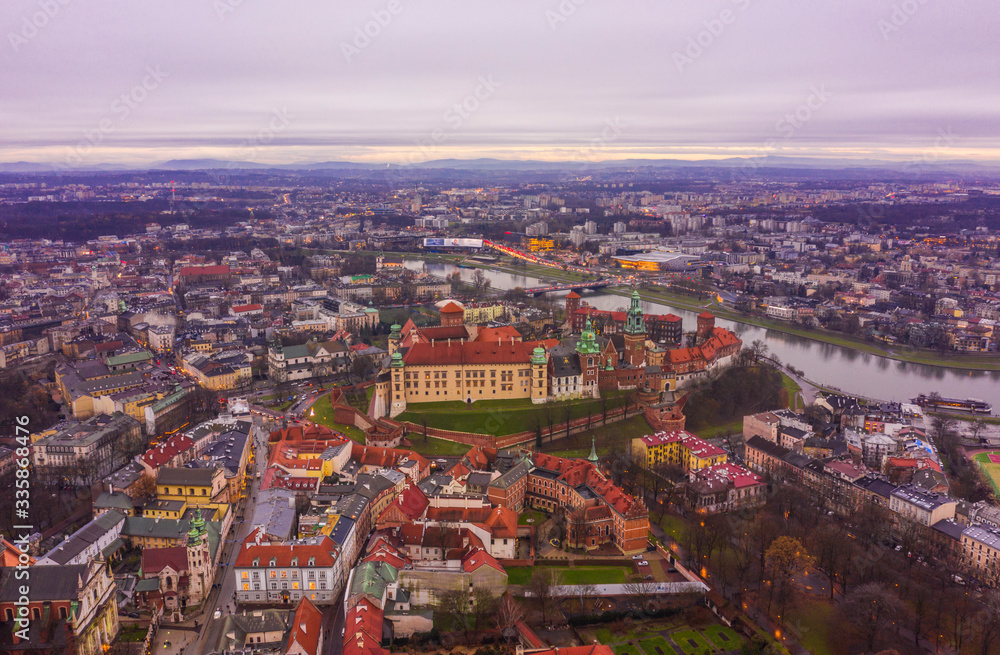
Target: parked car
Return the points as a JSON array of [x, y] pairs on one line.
[[637, 557]]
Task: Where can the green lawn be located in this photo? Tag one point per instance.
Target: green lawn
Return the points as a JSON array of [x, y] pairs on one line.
[[819, 631], [691, 642], [539, 517], [991, 470], [435, 447], [792, 388], [593, 575], [322, 412], [674, 526], [609, 437], [625, 649], [724, 638], [519, 575], [498, 417], [604, 636], [656, 646], [720, 429]]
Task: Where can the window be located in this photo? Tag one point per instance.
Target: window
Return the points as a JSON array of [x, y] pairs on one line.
[[245, 575], [246, 586]]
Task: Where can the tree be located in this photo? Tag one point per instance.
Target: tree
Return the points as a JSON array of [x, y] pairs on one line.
[[453, 608], [508, 614], [145, 486], [541, 587], [871, 609], [361, 366], [484, 608], [480, 283], [758, 350], [587, 590], [639, 591], [831, 551], [783, 558]]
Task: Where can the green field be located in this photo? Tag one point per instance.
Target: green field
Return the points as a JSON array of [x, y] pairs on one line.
[[724, 638], [991, 470], [626, 649], [499, 417], [321, 412], [609, 437], [793, 389], [656, 646], [539, 517], [691, 642], [521, 575]]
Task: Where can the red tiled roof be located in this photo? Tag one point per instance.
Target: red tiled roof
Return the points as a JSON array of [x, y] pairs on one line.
[[411, 502], [451, 308], [306, 626], [472, 353], [247, 308], [503, 333], [222, 269], [155, 560], [325, 553], [159, 455], [478, 558]]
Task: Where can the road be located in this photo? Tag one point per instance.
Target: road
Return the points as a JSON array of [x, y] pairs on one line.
[[223, 598]]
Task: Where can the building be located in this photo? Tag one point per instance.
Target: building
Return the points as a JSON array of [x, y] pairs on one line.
[[72, 606], [918, 504], [466, 371], [82, 453], [310, 360], [285, 573], [183, 574], [981, 550], [679, 448]]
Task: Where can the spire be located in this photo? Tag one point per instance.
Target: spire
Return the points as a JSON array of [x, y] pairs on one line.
[[634, 323], [587, 345], [593, 450]]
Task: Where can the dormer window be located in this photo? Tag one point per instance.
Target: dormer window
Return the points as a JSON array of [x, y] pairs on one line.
[[312, 561], [295, 561], [274, 561], [256, 562]]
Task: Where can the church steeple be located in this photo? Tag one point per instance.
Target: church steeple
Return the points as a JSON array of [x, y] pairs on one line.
[[593, 450], [587, 345], [634, 323]]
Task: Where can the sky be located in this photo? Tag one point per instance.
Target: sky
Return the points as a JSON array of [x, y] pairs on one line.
[[85, 82]]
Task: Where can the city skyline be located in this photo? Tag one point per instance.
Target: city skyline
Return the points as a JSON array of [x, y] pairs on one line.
[[387, 82]]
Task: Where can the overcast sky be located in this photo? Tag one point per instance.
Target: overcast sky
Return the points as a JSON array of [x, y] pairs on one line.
[[144, 81]]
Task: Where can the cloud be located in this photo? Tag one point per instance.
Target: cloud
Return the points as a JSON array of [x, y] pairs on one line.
[[230, 70]]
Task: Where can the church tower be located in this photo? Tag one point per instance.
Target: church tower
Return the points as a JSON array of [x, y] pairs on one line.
[[635, 332], [539, 376], [589, 353], [200, 569], [397, 389], [572, 304]]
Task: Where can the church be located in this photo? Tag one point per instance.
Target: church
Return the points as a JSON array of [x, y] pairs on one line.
[[179, 577]]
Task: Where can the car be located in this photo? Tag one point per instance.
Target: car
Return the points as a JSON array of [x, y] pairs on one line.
[[217, 614], [643, 563], [637, 557], [554, 543]]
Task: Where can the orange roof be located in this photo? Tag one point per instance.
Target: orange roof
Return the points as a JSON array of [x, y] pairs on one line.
[[502, 333], [306, 626], [11, 554], [452, 308]]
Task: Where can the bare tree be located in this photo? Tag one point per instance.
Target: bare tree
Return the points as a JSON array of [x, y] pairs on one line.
[[484, 608], [453, 608], [639, 591], [542, 586], [587, 590], [871, 609], [508, 614]]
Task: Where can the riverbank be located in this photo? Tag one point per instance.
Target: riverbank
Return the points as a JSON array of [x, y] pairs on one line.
[[902, 354]]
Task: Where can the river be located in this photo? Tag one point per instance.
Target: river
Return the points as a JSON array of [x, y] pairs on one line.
[[847, 369]]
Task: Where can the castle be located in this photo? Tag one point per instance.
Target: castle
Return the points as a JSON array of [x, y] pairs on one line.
[[456, 362]]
